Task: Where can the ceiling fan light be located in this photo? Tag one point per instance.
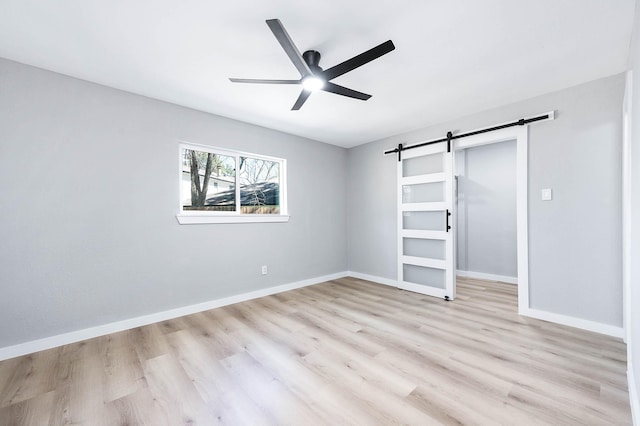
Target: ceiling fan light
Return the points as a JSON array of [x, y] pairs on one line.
[[312, 83]]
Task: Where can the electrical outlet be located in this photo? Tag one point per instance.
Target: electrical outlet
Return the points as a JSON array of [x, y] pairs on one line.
[[546, 194], [264, 269]]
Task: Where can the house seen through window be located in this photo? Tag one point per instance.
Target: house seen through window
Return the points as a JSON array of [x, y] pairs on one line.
[[222, 182]]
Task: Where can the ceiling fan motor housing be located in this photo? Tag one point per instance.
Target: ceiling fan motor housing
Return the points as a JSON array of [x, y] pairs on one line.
[[312, 58]]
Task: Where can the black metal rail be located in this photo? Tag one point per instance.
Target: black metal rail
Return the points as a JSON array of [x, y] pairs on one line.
[[450, 136]]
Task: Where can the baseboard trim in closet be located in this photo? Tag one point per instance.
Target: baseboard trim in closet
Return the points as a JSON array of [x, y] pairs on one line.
[[490, 277]]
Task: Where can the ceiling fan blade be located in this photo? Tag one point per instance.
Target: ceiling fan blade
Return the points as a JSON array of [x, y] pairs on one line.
[[261, 81], [304, 95], [344, 91], [358, 61], [287, 44]]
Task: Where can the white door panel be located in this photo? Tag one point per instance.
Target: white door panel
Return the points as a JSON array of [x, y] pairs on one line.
[[425, 218]]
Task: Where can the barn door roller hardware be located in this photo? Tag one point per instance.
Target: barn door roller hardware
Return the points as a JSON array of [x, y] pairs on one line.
[[450, 136]]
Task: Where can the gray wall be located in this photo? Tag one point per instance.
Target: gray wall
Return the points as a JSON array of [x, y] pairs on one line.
[[88, 179], [486, 233], [634, 296], [89, 189], [574, 241]]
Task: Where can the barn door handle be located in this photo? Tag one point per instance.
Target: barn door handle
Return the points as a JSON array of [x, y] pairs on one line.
[[447, 220]]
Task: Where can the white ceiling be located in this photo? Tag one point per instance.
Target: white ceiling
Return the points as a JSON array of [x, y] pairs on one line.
[[452, 57]]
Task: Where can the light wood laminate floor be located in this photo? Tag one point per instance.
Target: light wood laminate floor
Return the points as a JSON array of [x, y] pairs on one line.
[[342, 352]]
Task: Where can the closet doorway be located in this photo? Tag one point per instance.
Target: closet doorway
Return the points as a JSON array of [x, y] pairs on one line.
[[519, 136], [486, 200]]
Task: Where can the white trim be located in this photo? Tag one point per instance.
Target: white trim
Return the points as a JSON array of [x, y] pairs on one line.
[[424, 289], [428, 235], [373, 278], [114, 327], [423, 150], [194, 219], [596, 327], [226, 151], [633, 394], [627, 125], [450, 242], [399, 225], [490, 277], [420, 179], [434, 206], [424, 261], [522, 208], [626, 207]]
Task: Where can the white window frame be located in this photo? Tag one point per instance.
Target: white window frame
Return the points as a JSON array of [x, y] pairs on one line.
[[190, 217]]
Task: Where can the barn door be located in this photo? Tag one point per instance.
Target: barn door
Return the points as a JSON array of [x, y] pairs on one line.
[[425, 221]]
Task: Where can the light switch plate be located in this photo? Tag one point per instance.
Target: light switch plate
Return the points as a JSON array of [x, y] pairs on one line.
[[546, 194]]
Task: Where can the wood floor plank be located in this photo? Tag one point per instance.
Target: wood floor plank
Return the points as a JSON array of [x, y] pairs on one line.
[[137, 408], [86, 391], [277, 403], [346, 351], [225, 400], [34, 411], [174, 392], [122, 370], [150, 342], [292, 368], [39, 370]]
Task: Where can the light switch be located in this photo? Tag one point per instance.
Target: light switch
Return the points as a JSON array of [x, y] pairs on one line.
[[546, 194]]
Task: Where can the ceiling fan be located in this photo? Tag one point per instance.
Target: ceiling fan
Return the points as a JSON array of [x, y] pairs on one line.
[[312, 77]]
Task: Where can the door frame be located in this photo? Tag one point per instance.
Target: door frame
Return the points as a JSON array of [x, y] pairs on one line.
[[521, 135], [626, 208]]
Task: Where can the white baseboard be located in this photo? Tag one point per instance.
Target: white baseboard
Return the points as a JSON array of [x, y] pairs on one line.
[[633, 394], [373, 278], [89, 333], [490, 277], [114, 327], [597, 327]]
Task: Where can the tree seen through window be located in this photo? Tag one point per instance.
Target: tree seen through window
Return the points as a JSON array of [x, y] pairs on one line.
[[212, 183]]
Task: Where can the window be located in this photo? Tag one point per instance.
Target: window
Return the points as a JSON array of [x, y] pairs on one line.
[[222, 186]]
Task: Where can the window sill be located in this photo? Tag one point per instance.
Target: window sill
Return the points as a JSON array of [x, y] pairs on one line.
[[195, 219]]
